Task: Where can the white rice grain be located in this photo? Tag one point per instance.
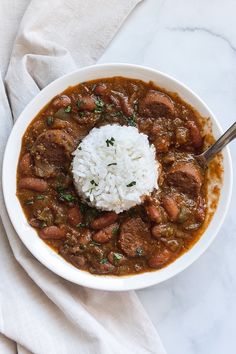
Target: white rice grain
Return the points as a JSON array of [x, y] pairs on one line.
[[114, 167]]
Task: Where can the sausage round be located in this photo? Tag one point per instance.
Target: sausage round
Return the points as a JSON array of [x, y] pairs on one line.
[[134, 237], [52, 150], [186, 177], [157, 103]]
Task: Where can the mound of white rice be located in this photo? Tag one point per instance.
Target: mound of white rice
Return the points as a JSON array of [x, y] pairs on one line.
[[114, 167]]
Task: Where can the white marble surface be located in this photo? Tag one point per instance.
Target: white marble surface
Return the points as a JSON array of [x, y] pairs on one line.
[[195, 41]]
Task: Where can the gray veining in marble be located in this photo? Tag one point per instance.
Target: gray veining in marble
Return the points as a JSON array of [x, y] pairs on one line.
[[194, 41]]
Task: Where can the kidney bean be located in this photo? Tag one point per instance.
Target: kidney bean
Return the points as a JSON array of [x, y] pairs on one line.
[[85, 237], [103, 221], [195, 134], [164, 230], [74, 216], [100, 89], [153, 213], [105, 234], [78, 261], [171, 207], [34, 184], [116, 258], [36, 223], [61, 101], [52, 232], [159, 259], [87, 103], [25, 163]]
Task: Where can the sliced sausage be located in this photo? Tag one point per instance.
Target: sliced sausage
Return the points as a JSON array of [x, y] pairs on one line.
[[87, 103], [134, 237], [103, 221], [195, 134], [105, 235], [51, 152], [153, 213], [171, 207], [158, 259], [156, 103], [61, 101], [74, 216], [52, 233], [33, 184], [186, 177], [25, 164], [116, 258]]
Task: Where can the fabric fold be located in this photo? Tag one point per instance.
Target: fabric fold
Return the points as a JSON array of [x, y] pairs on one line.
[[40, 311]]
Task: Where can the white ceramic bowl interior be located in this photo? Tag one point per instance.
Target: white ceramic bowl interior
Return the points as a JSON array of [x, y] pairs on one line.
[[29, 236]]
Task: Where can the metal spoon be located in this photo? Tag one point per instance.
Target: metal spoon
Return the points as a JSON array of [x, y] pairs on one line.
[[205, 157]]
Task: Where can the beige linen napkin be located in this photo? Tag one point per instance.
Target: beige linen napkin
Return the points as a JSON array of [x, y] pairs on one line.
[[39, 311]]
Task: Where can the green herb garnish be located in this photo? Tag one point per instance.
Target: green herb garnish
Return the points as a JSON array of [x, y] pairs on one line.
[[94, 183], [83, 208], [117, 256], [40, 197], [110, 141], [115, 230], [50, 120], [29, 202], [79, 102], [132, 120], [64, 196], [67, 197], [131, 184], [82, 114], [112, 164], [80, 225], [104, 261], [67, 109], [139, 251], [93, 243], [99, 105]]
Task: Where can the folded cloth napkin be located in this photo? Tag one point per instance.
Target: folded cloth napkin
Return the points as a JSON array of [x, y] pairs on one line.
[[39, 311]]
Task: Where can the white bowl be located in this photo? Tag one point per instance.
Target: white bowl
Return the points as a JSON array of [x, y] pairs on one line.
[[29, 236]]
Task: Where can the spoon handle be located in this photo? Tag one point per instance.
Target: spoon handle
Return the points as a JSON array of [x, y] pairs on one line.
[[228, 136]]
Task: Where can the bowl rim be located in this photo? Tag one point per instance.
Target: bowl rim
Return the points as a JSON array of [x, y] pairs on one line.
[[105, 282]]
